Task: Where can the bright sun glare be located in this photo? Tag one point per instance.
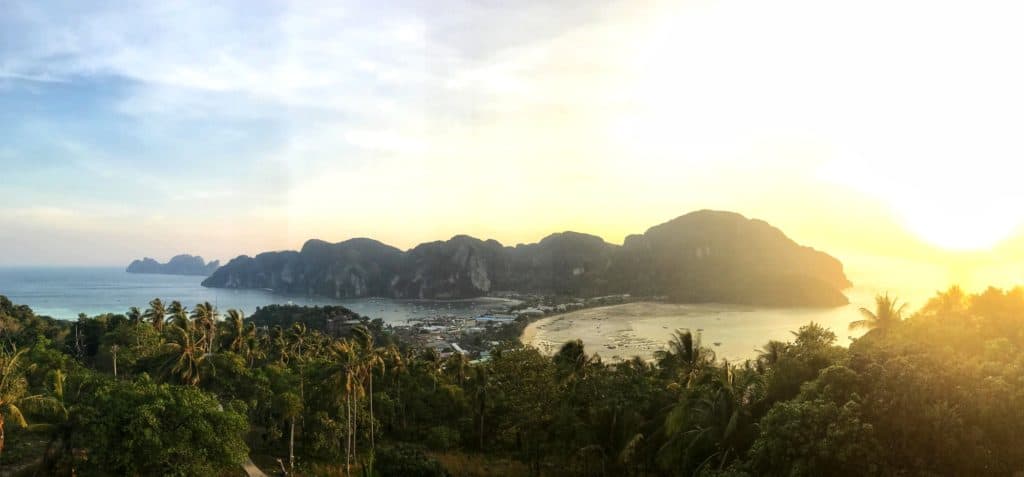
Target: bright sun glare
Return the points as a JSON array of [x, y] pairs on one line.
[[963, 231], [944, 167]]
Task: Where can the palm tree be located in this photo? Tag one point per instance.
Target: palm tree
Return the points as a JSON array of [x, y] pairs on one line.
[[60, 428], [480, 382], [713, 423], [296, 339], [684, 356], [179, 315], [456, 366], [13, 392], [254, 345], [396, 367], [572, 361], [430, 360], [948, 304], [205, 318], [234, 324], [134, 315], [277, 342], [370, 358], [344, 373], [888, 312], [156, 314], [770, 353], [186, 358]]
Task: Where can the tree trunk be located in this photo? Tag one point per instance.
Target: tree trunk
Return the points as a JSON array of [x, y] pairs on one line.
[[355, 430], [348, 434], [481, 429], [401, 405], [371, 412], [3, 435], [302, 399], [291, 447], [115, 362]]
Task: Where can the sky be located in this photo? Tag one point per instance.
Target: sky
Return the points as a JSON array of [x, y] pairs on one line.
[[871, 128]]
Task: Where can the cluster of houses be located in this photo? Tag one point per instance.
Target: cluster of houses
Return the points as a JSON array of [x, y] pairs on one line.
[[469, 336]]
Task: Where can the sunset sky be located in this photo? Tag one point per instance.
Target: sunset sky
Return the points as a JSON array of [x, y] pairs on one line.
[[154, 128]]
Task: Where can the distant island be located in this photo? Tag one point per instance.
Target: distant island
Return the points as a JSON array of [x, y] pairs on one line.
[[704, 256], [178, 265]]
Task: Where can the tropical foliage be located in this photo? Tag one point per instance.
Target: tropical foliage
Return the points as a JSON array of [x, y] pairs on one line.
[[198, 391]]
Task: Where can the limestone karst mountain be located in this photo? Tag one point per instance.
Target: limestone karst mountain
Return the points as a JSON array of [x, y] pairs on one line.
[[704, 256]]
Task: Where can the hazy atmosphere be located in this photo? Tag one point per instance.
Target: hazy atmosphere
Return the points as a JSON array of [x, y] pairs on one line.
[[407, 238], [286, 121]]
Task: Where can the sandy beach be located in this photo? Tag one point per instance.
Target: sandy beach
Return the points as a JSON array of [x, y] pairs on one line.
[[734, 332]]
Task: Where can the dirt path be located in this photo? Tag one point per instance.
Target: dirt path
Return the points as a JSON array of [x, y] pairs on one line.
[[250, 468]]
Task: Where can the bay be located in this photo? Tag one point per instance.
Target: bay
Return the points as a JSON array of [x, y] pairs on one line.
[[64, 292]]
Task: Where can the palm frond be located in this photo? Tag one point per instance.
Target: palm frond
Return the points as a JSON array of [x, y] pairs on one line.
[[16, 414], [859, 324]]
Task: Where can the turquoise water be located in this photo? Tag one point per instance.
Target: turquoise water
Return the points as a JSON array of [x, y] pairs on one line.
[[65, 292]]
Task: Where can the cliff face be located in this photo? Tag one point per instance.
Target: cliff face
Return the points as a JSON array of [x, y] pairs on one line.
[[349, 269], [461, 267], [724, 257], [178, 265], [699, 257]]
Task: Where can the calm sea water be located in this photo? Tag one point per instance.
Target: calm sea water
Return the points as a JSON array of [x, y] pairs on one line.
[[736, 332], [65, 292]]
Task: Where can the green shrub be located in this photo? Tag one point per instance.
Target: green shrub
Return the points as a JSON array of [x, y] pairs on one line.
[[442, 438], [406, 461]]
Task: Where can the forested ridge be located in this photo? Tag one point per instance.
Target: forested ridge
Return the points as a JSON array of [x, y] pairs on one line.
[[699, 257], [168, 390]]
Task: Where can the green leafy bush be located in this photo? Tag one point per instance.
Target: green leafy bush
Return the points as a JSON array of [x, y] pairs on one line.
[[406, 461]]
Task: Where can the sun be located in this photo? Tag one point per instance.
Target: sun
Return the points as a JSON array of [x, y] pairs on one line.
[[960, 230], [952, 204]]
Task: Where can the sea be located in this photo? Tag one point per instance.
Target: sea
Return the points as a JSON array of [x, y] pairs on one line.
[[65, 292], [735, 332]]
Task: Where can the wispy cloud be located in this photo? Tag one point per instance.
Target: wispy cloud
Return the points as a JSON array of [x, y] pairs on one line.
[[645, 109]]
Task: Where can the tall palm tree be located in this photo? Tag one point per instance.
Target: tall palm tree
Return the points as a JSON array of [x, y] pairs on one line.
[[685, 357], [430, 361], [186, 357], [480, 384], [179, 315], [297, 337], [278, 346], [370, 359], [254, 345], [888, 312], [344, 373], [395, 364], [234, 331], [205, 318], [156, 314]]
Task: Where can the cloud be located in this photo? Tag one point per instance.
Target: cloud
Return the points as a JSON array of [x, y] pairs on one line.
[[555, 113]]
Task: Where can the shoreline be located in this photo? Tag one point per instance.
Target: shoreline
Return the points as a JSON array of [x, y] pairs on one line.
[[733, 332]]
